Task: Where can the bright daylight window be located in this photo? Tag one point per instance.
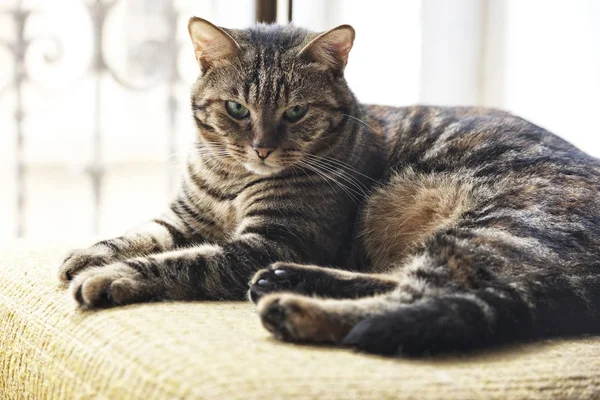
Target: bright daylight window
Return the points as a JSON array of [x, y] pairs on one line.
[[90, 137]]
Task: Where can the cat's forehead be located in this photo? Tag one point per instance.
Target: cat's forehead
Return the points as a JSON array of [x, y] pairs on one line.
[[272, 38], [268, 70]]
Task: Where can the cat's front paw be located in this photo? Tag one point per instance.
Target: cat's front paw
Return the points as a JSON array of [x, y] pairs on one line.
[[81, 259], [108, 286], [277, 277]]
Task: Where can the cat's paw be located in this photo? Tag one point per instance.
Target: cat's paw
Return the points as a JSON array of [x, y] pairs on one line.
[[108, 286], [277, 277], [295, 318], [78, 260]]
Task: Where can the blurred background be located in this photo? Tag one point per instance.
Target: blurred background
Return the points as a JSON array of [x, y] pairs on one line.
[[94, 94]]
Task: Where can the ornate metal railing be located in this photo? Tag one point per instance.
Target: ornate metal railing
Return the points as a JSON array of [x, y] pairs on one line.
[[160, 69]]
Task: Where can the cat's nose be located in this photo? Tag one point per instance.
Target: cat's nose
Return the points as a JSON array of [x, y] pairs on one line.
[[263, 152]]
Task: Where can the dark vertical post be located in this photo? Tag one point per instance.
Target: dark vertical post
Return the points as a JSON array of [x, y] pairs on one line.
[[266, 11]]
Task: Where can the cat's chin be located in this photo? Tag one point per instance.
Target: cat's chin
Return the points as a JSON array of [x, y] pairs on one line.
[[262, 169]]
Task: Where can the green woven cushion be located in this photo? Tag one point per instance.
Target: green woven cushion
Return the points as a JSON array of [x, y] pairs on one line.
[[49, 349]]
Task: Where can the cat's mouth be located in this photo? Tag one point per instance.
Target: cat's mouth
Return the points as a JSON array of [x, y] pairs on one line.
[[262, 168]]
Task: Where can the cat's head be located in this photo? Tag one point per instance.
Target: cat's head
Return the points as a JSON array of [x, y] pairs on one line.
[[269, 95]]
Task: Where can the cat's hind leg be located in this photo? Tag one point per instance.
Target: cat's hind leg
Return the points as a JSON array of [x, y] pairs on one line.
[[296, 318], [428, 311], [317, 281], [391, 324]]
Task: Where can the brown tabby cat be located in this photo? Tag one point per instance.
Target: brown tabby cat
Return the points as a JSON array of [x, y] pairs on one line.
[[462, 227]]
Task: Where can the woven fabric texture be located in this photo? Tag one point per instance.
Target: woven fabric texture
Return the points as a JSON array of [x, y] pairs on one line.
[[51, 350]]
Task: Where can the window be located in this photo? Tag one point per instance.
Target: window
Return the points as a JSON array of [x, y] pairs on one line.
[[88, 147]]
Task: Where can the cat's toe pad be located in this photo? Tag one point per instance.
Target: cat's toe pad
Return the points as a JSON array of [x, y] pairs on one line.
[[278, 277]]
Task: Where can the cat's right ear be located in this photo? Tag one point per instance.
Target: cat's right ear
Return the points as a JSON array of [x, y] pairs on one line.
[[211, 43], [331, 48]]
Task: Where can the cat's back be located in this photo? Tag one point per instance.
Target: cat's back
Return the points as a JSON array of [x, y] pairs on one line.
[[435, 138], [476, 169]]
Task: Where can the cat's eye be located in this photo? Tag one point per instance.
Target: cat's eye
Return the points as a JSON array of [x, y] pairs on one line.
[[295, 113], [236, 110]]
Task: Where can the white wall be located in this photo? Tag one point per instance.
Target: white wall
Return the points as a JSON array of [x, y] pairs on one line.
[[552, 67], [385, 64]]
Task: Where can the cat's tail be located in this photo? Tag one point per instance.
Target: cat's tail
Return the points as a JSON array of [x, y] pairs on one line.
[[462, 321]]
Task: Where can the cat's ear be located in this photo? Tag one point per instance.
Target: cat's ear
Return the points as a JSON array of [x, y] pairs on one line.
[[330, 48], [211, 43]]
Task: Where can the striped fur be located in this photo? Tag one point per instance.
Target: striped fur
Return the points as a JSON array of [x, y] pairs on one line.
[[463, 227], [488, 225]]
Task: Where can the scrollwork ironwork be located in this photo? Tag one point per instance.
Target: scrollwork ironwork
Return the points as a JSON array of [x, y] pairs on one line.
[[99, 67]]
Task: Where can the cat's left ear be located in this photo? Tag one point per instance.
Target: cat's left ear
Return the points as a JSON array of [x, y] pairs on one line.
[[211, 43], [331, 48]]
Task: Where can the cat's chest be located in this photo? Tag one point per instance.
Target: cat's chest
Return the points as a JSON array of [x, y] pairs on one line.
[[254, 198], [230, 213], [227, 215], [253, 201]]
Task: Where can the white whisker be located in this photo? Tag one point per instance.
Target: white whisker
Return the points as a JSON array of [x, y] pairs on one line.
[[352, 193], [359, 120], [341, 164]]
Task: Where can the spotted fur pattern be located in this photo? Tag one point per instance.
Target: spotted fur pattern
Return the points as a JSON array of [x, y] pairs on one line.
[[463, 227]]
